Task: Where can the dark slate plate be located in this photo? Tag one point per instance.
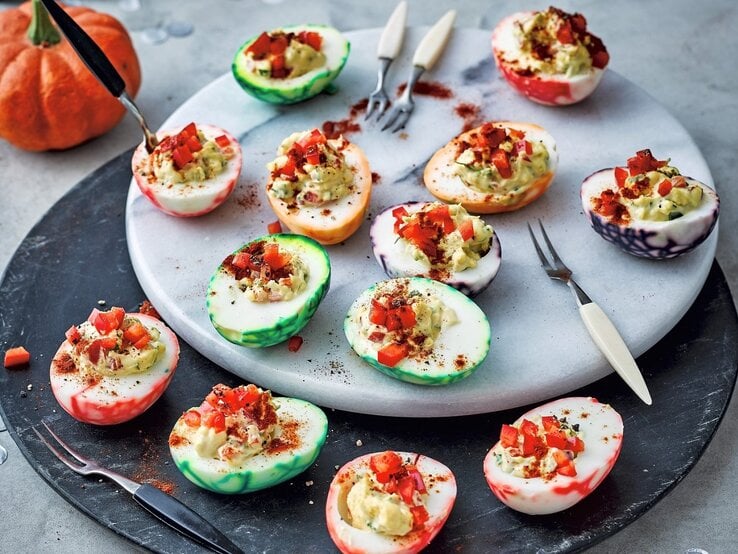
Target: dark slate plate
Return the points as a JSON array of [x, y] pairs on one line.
[[77, 255]]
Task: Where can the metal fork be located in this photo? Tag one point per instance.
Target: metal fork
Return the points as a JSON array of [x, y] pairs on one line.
[[167, 508], [426, 55], [389, 47], [601, 329]]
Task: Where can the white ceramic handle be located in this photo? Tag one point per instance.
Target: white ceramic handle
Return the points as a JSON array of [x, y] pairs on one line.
[[391, 40], [434, 41], [611, 344]]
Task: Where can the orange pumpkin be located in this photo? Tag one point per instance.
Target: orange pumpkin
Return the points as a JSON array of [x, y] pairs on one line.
[[49, 100]]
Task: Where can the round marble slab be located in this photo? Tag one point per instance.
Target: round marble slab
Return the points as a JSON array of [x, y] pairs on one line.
[[540, 348]]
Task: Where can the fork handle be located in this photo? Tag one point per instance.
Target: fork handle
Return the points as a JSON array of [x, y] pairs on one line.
[[185, 520], [391, 40], [434, 41], [612, 345]]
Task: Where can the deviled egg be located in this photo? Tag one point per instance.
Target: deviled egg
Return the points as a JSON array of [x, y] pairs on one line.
[[191, 171], [267, 290], [290, 64], [549, 56], [554, 455], [418, 330], [389, 503], [114, 366], [500, 166], [242, 439], [319, 187], [649, 209], [442, 242]]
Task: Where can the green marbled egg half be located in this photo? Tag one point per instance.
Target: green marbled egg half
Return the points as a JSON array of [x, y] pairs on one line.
[[469, 337], [291, 91], [262, 324], [264, 469]]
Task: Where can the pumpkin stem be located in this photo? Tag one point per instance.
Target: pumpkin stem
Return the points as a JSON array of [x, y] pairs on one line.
[[41, 31]]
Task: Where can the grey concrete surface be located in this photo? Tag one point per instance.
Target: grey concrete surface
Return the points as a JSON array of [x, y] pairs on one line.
[[681, 52]]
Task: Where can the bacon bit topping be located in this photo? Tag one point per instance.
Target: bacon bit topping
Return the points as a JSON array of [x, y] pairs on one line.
[[305, 151], [259, 260], [148, 309], [425, 230], [65, 364], [177, 440]]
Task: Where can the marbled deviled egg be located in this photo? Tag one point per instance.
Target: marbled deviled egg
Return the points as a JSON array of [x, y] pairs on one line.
[[649, 209], [267, 290], [549, 56], [418, 330], [114, 366], [389, 503], [319, 187], [290, 64], [500, 166], [191, 172], [554, 455], [442, 242], [242, 439]]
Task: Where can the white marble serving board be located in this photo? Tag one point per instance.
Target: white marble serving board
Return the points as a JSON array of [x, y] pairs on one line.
[[540, 348]]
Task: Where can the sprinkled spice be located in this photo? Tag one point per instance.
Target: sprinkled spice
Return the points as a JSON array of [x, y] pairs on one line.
[[334, 129], [429, 88], [289, 439], [376, 177], [249, 200], [470, 113]]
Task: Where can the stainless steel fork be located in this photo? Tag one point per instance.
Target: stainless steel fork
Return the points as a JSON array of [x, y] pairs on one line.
[[387, 50], [426, 55], [167, 508], [601, 329]]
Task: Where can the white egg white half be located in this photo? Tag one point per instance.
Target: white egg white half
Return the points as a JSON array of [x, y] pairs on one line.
[[335, 221], [259, 324], [548, 89], [651, 239], [391, 252], [601, 429], [193, 198], [267, 468], [442, 181], [468, 339], [441, 485], [107, 400]]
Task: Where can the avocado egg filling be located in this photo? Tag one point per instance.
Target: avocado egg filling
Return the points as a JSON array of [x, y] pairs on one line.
[[556, 42], [310, 170], [267, 274], [648, 190], [500, 161], [280, 55]]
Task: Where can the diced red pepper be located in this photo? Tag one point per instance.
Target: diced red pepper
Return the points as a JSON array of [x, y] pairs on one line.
[[679, 181], [16, 356], [416, 476], [556, 440], [376, 336], [466, 229], [190, 130], [294, 344], [181, 156], [260, 47], [442, 218], [135, 333], [420, 516], [214, 419], [313, 40], [502, 162], [393, 321], [278, 44], [241, 260], [516, 134], [508, 436], [392, 354], [278, 64], [600, 59], [142, 342], [247, 395], [192, 418], [621, 174], [222, 141], [550, 423], [578, 23], [422, 237], [665, 187], [575, 444], [105, 322], [312, 155], [565, 35], [533, 446], [73, 335], [288, 168], [388, 462], [529, 428], [377, 313], [407, 316], [273, 257], [398, 213], [315, 137], [643, 162], [193, 144], [274, 227], [567, 469], [406, 488]]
